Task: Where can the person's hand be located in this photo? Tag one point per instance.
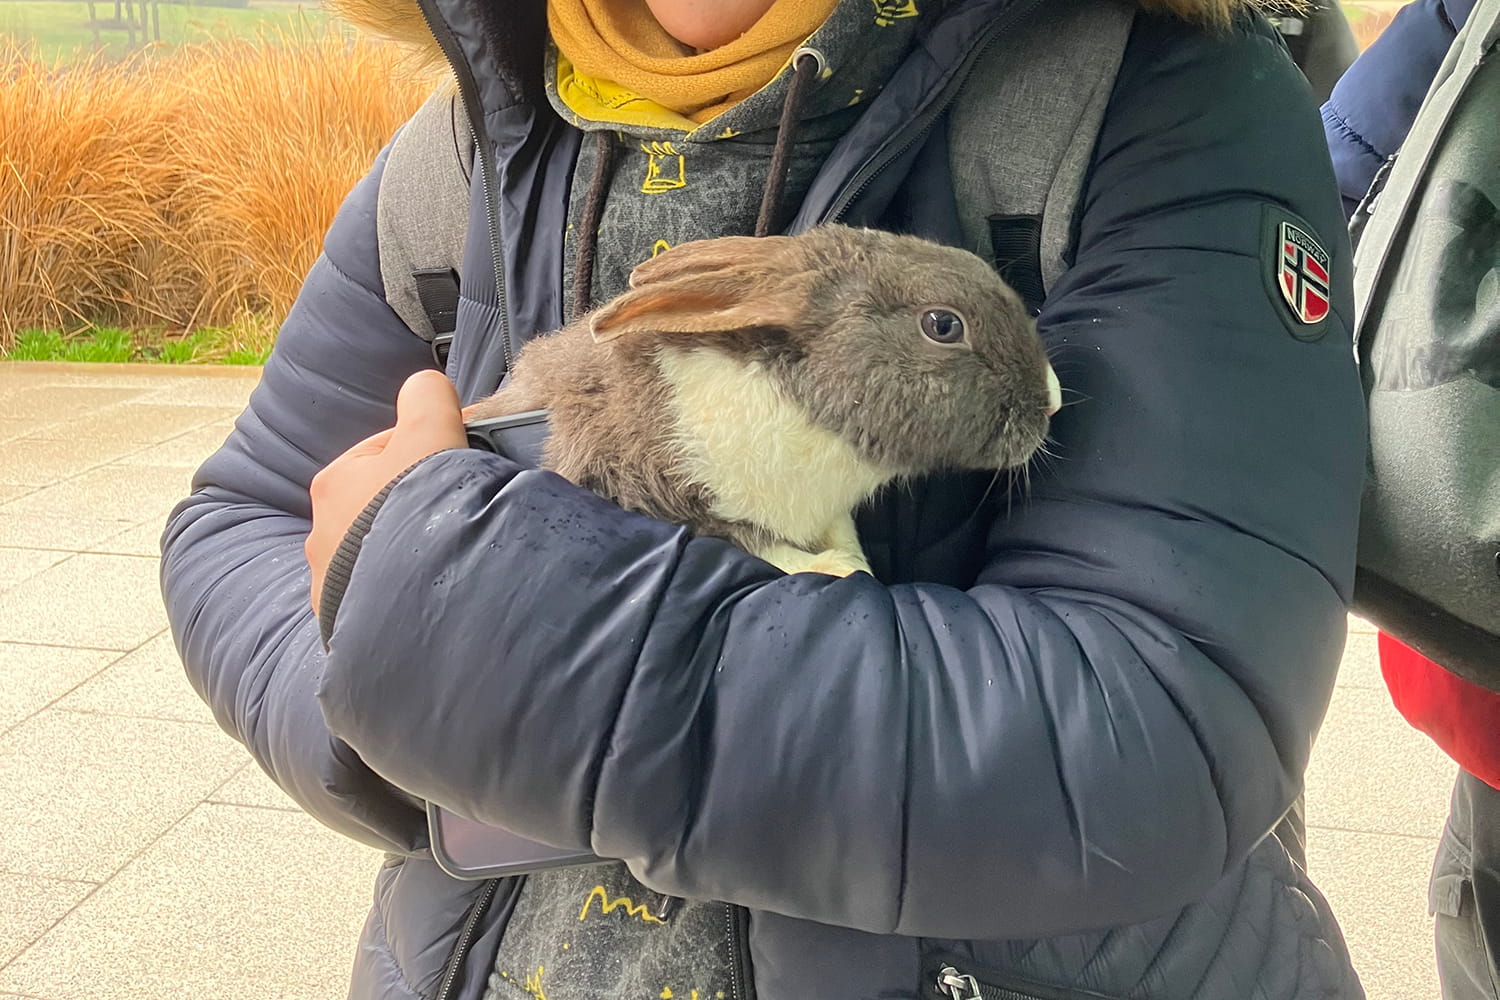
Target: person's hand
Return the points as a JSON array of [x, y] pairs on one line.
[[427, 421]]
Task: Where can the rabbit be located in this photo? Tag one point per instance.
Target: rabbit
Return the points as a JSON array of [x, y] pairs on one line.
[[759, 389]]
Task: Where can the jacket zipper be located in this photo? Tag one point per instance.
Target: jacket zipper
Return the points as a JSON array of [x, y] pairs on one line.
[[468, 90], [466, 938], [921, 126], [739, 953], [954, 983]]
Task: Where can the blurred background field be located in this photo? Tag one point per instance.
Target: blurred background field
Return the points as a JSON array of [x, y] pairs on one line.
[[168, 169], [68, 30], [1368, 18]]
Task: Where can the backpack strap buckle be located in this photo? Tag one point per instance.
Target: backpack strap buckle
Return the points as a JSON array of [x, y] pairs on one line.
[[442, 346]]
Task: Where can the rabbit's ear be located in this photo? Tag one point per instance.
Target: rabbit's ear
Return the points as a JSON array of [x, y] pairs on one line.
[[747, 254], [700, 303], [710, 286]]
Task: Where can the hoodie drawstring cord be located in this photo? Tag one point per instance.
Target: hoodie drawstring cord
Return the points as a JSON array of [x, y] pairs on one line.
[[593, 217], [807, 64]]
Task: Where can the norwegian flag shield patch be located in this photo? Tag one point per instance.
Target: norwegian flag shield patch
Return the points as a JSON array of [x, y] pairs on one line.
[[1302, 275]]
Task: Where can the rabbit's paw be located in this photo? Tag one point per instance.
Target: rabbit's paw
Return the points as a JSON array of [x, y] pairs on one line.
[[833, 562], [837, 562]]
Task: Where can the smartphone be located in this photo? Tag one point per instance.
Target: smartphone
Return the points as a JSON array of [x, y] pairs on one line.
[[468, 849], [463, 847]]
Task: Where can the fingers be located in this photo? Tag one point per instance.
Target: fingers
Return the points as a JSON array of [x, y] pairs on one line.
[[426, 394], [427, 406]]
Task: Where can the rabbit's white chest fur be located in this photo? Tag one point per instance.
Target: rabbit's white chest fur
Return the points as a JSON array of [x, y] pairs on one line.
[[765, 462]]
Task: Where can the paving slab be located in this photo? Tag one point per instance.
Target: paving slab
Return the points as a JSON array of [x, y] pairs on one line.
[[135, 425], [1373, 773], [90, 601], [33, 677], [230, 391], [231, 902], [1377, 886], [9, 493], [31, 906], [142, 539], [45, 404], [62, 534], [129, 375], [1361, 665], [108, 492], [251, 787], [148, 683], [187, 450], [21, 375], [98, 789], [37, 461], [18, 565]]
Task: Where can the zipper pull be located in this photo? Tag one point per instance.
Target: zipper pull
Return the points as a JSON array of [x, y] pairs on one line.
[[952, 983], [666, 907]]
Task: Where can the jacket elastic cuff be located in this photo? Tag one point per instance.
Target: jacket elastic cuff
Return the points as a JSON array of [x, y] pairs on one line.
[[341, 566]]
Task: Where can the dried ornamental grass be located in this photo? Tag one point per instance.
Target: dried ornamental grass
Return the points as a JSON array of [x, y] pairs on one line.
[[183, 189], [81, 169], [277, 136]]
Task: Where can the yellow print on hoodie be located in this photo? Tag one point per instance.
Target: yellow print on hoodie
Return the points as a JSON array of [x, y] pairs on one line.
[[607, 906], [888, 11], [666, 169]]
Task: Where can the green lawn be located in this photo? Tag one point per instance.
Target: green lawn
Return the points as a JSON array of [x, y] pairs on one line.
[[248, 343], [61, 28]]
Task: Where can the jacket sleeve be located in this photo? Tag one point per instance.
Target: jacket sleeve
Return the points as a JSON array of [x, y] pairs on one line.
[[1092, 735], [1373, 105], [233, 573]]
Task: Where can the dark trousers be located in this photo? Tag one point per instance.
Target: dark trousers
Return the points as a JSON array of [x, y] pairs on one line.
[[1465, 893]]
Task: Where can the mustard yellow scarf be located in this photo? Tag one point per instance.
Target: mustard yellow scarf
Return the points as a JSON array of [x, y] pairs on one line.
[[619, 41]]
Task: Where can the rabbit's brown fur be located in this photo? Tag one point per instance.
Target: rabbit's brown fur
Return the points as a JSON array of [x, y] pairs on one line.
[[759, 389]]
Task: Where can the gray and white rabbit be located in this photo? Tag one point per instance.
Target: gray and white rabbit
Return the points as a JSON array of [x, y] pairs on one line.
[[760, 389]]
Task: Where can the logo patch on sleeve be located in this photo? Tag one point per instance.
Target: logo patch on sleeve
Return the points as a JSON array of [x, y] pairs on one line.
[[1302, 274]]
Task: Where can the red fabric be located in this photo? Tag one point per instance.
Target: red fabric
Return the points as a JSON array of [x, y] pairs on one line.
[[1462, 718]]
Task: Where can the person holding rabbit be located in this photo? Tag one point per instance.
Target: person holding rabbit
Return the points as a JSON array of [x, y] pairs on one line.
[[1040, 749]]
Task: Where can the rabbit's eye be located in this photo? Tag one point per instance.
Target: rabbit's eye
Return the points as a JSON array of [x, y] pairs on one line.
[[943, 326]]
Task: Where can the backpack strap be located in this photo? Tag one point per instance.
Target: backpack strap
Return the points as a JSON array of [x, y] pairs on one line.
[[421, 252], [1022, 135]]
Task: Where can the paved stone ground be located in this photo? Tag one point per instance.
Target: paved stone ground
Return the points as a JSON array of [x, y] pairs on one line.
[[142, 856]]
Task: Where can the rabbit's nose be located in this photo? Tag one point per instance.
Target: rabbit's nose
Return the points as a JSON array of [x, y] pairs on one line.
[[1054, 392]]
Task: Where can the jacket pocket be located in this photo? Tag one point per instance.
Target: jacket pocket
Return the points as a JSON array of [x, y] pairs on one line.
[[947, 976], [1453, 868]]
